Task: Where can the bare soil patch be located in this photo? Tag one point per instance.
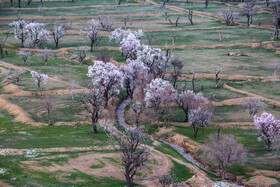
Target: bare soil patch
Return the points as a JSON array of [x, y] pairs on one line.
[[262, 181]]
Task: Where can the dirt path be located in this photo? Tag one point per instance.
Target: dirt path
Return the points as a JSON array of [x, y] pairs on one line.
[[85, 17], [20, 114], [7, 151], [2, 184], [72, 7], [273, 102]]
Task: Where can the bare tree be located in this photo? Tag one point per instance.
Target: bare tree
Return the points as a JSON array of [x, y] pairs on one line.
[[103, 56], [49, 104], [126, 20], [58, 31], [106, 23], [177, 68], [275, 6], [253, 105], [223, 151], [2, 44], [24, 54], [135, 111], [118, 2], [190, 16], [5, 72], [217, 72], [173, 38], [249, 10], [177, 21], [73, 87], [134, 151], [46, 54], [150, 38], [227, 15], [17, 74], [206, 3], [93, 102], [166, 180], [81, 53]]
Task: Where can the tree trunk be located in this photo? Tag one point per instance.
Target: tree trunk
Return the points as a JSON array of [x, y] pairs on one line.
[[248, 21], [46, 62], [24, 61], [267, 3], [91, 46], [1, 51], [42, 3], [22, 40], [49, 118], [196, 131], [268, 145], [12, 3], [56, 44], [19, 3], [128, 178]]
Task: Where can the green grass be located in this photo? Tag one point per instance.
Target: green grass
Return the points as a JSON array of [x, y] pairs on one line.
[[181, 172], [97, 166]]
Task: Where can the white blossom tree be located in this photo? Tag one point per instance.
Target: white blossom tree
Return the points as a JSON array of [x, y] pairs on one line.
[[46, 54], [130, 45], [39, 78], [58, 31], [269, 128], [24, 54], [37, 34], [105, 76], [159, 92], [153, 59], [20, 30], [91, 33]]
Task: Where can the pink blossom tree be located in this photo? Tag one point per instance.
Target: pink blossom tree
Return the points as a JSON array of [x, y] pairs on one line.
[[91, 33], [253, 105], [105, 76], [159, 92], [189, 100], [199, 118], [269, 128], [223, 150], [40, 78]]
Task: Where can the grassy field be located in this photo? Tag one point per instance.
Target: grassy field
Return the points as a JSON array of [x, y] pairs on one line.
[[70, 155]]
